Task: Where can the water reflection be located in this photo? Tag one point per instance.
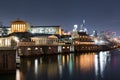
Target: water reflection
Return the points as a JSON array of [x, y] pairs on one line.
[[36, 67], [17, 74], [101, 60], [86, 62], [64, 67]]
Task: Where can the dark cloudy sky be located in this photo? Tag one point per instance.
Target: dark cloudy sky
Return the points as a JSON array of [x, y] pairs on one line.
[[99, 14]]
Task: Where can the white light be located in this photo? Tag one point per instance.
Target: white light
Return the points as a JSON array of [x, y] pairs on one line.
[[68, 47], [36, 66], [63, 47], [103, 61], [33, 32], [96, 41], [75, 27], [36, 48], [115, 39], [16, 39], [17, 74], [101, 42], [96, 65]]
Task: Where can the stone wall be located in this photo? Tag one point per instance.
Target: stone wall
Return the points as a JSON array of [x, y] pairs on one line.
[[7, 61]]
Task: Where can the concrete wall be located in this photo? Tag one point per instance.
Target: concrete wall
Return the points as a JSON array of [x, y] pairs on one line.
[[7, 61]]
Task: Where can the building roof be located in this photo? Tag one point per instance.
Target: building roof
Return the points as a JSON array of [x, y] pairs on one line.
[[39, 35], [43, 26], [83, 34], [4, 26], [18, 22]]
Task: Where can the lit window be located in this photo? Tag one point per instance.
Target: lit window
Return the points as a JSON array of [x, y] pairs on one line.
[[19, 49], [49, 47], [36, 48], [28, 48], [63, 47], [68, 47], [40, 48]]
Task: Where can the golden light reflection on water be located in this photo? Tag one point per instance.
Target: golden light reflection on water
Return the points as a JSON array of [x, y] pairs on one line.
[[86, 62], [19, 75], [63, 60], [28, 63], [53, 66], [68, 59]]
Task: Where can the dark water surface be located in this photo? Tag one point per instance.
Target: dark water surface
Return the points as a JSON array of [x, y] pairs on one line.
[[85, 66]]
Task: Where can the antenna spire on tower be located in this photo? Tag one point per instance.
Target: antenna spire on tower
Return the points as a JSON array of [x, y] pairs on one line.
[[83, 21]]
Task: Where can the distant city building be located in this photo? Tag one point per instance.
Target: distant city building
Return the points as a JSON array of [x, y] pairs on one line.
[[95, 34], [75, 32], [81, 36]]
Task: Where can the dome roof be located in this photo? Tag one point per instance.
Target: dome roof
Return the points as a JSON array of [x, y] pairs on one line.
[[19, 26], [18, 22]]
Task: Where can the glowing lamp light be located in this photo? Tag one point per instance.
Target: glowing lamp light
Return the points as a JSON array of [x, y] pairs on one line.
[[115, 39], [16, 39], [75, 25], [101, 42]]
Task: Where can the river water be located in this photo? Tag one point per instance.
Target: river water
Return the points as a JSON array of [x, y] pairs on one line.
[[83, 66]]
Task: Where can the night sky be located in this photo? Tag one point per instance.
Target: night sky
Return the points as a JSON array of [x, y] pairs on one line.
[[99, 14]]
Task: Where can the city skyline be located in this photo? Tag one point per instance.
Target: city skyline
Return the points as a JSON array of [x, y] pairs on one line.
[[99, 15]]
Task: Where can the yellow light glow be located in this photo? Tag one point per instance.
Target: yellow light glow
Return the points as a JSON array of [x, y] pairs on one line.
[[36, 48], [68, 47], [86, 62], [28, 48], [63, 47]]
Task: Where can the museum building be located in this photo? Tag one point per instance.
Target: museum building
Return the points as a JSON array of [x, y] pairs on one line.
[[20, 30]]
